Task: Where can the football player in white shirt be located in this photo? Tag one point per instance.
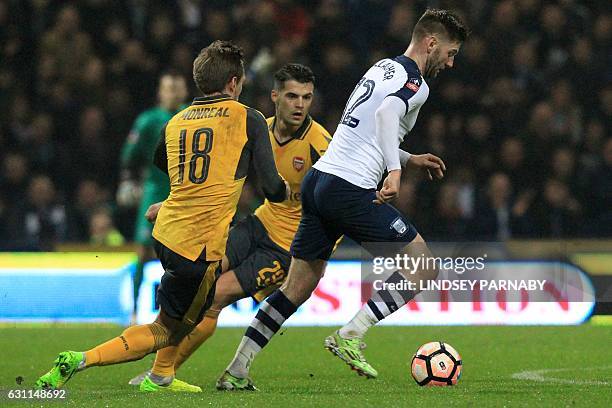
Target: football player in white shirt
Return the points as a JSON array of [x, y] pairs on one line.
[[339, 195]]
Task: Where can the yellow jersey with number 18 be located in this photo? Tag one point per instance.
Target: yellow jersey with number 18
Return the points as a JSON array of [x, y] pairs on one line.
[[204, 144]]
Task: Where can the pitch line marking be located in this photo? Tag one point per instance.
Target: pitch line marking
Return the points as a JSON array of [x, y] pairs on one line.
[[538, 375]]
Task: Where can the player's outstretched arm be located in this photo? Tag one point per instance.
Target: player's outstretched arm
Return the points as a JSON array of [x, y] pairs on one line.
[[273, 185]]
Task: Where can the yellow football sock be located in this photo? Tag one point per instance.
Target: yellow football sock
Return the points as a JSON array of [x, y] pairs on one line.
[[194, 340], [134, 343], [164, 361]]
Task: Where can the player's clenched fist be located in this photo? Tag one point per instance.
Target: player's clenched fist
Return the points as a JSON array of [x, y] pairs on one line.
[[390, 188]]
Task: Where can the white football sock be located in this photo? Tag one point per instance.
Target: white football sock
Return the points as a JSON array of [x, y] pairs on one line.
[[359, 324]]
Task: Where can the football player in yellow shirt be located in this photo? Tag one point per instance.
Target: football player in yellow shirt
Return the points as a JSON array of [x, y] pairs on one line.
[[257, 255], [206, 150]]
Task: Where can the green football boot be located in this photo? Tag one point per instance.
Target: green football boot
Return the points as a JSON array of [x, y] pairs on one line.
[[228, 382], [175, 386], [349, 351], [64, 367]]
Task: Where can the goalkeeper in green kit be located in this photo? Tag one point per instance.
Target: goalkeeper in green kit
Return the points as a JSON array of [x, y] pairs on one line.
[[142, 183]]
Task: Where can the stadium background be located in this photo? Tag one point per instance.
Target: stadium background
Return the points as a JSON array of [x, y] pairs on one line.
[[523, 120]]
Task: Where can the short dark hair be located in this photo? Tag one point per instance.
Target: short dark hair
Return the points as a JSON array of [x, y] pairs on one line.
[[216, 65], [441, 22], [297, 72]]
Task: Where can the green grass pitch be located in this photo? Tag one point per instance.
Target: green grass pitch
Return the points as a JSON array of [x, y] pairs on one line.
[[295, 370]]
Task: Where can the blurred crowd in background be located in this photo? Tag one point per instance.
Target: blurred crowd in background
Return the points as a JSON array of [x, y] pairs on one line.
[[523, 121]]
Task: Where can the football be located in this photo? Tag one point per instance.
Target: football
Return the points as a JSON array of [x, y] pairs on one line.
[[436, 363]]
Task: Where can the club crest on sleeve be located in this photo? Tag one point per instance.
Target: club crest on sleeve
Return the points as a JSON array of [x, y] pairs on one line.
[[298, 163], [413, 84]]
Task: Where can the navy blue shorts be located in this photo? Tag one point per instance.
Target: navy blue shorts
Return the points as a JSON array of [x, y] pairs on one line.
[[332, 207]]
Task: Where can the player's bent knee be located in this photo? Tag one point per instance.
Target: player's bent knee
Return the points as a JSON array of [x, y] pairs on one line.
[[228, 290], [226, 298]]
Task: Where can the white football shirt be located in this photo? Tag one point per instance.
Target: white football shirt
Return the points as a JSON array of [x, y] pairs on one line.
[[354, 153]]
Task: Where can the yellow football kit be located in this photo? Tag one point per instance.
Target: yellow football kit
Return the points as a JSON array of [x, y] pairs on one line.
[[293, 159], [206, 150], [204, 143], [258, 246]]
